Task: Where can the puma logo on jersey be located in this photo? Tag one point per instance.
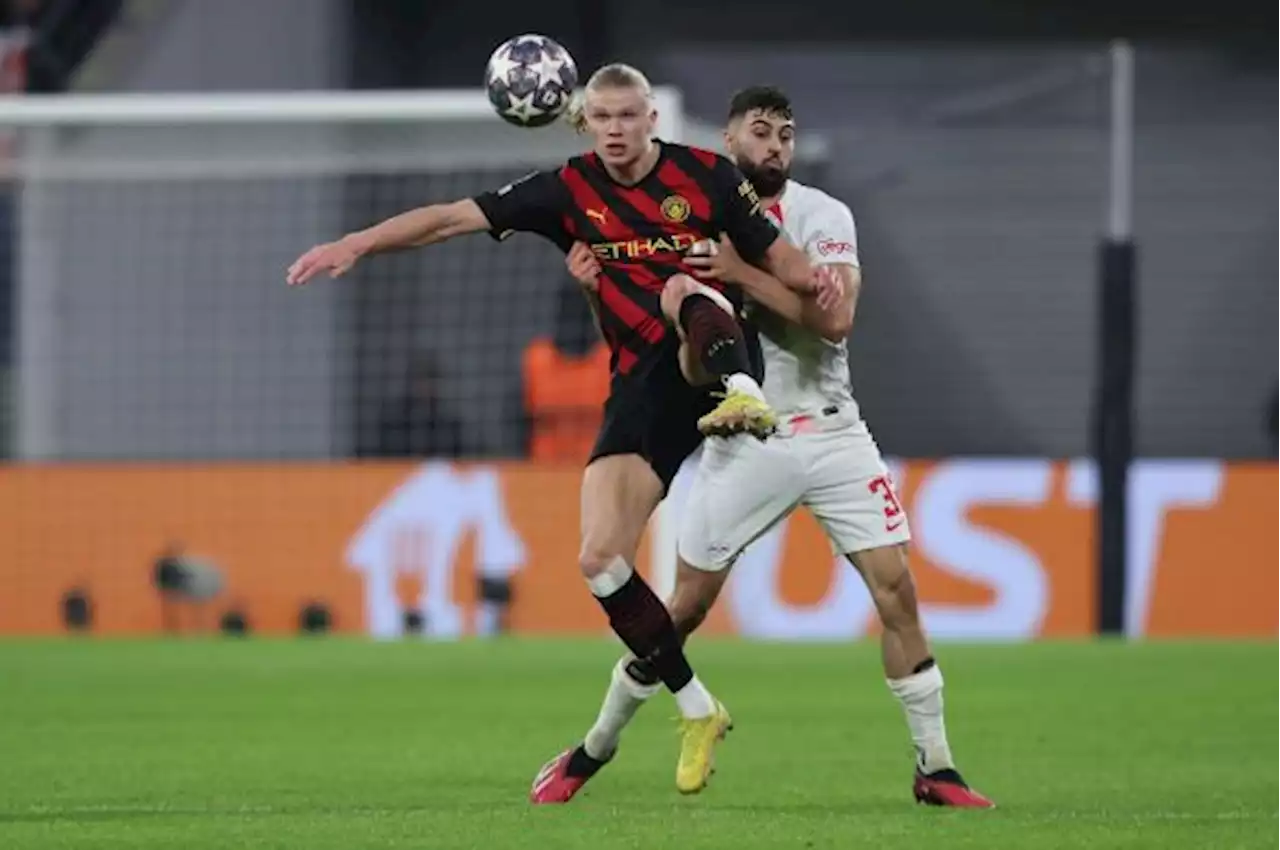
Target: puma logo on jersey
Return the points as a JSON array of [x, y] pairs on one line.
[[601, 216]]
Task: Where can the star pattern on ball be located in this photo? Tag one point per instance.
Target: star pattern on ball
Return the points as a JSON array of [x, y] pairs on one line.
[[503, 65], [550, 69], [522, 108]]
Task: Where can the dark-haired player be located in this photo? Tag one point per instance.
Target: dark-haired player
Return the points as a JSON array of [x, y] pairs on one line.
[[640, 204], [822, 456]]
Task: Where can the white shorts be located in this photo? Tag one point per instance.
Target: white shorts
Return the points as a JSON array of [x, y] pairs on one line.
[[743, 487]]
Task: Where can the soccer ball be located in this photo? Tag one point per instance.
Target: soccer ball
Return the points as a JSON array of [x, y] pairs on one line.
[[530, 80]]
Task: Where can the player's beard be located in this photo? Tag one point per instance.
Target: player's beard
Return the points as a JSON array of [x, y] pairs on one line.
[[769, 179]]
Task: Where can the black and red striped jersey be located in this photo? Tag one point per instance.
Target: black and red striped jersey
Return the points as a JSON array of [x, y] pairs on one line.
[[639, 232]]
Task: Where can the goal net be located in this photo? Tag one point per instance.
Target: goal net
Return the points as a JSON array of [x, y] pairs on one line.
[[145, 240]]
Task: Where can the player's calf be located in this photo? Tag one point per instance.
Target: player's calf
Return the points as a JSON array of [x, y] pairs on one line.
[[635, 680], [914, 677], [888, 578], [645, 626], [711, 336], [695, 593], [619, 493]]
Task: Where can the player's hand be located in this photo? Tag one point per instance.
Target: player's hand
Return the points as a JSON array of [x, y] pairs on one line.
[[584, 266], [726, 264], [828, 287], [336, 258]]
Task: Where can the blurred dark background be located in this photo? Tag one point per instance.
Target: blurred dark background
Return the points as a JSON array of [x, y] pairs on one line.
[[970, 139]]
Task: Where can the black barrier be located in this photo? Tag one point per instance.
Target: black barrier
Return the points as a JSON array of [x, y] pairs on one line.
[[1113, 424]]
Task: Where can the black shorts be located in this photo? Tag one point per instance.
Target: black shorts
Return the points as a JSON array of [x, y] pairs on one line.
[[655, 414]]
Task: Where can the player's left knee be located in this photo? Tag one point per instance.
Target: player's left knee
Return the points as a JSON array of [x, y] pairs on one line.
[[681, 286], [677, 288]]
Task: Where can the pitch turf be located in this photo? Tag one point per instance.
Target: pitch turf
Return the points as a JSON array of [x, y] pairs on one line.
[[339, 744]]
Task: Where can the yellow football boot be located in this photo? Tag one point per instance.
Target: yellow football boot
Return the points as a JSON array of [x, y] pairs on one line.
[[739, 412], [698, 739]]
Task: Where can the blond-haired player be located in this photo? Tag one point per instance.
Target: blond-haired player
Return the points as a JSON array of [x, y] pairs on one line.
[[639, 203]]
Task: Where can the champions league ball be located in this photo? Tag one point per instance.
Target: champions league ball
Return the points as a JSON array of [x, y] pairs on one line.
[[530, 80]]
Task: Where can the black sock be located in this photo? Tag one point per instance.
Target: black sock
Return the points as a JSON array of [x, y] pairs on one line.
[[924, 665], [643, 623], [714, 336], [581, 764]]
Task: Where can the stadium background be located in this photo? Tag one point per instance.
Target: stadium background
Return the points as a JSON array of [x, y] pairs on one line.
[[166, 395], [189, 448]]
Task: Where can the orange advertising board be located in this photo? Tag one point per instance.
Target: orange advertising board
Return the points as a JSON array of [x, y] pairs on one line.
[[1002, 549]]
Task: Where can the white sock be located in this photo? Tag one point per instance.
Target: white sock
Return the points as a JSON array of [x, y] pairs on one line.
[[621, 702], [488, 619], [744, 383], [695, 701], [921, 698]]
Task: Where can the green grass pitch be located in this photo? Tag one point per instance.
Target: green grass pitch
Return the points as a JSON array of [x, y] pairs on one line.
[[343, 744]]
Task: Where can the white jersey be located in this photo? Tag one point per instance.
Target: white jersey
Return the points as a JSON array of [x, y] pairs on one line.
[[805, 373], [822, 459]]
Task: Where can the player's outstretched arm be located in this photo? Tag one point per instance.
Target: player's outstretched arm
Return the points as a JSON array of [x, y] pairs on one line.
[[412, 229]]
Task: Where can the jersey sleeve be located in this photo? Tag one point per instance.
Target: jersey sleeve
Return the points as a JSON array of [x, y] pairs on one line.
[[748, 228], [832, 238], [536, 203]]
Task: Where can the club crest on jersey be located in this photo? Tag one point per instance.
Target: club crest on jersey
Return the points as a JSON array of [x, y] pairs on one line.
[[675, 209]]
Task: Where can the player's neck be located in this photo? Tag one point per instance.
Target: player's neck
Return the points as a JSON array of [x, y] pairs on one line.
[[636, 170]]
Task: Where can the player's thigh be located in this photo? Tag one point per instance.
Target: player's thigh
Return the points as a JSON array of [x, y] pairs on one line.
[[619, 493], [743, 487], [850, 493]]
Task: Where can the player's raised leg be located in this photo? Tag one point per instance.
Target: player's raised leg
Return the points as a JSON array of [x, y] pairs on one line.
[[707, 327]]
